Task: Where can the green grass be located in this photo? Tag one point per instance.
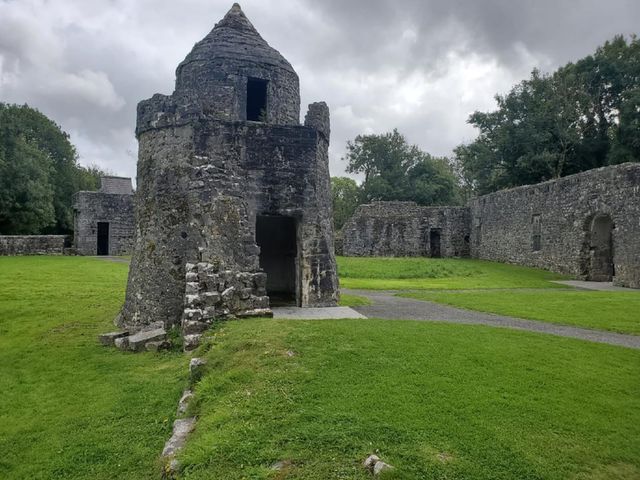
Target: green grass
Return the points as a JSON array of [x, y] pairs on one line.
[[347, 300], [69, 408], [419, 273], [435, 400], [613, 311]]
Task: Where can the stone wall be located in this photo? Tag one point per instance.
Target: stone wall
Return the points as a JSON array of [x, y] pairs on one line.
[[116, 209], [34, 244], [585, 225], [404, 229], [549, 225]]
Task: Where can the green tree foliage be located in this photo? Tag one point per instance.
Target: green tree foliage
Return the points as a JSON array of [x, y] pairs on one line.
[[584, 115], [345, 194], [38, 173], [395, 170]]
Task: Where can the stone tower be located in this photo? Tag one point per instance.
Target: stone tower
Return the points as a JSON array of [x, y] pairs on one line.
[[233, 208]]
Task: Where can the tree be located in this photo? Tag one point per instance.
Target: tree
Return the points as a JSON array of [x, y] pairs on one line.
[[38, 173], [580, 117], [395, 170], [26, 194], [345, 194]]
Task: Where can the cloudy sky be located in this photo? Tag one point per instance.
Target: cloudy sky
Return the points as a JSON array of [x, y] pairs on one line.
[[419, 65]]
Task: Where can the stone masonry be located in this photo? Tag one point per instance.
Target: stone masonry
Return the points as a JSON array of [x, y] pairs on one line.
[[227, 177], [404, 229], [104, 220], [34, 244], [553, 225], [586, 225]]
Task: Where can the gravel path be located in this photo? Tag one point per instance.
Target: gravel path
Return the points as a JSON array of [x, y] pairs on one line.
[[386, 305]]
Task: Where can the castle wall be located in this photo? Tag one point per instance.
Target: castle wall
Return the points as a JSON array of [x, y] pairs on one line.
[[562, 211], [404, 229], [115, 208], [34, 244]]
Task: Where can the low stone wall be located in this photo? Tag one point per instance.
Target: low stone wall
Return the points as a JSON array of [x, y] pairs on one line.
[[405, 229], [34, 244]]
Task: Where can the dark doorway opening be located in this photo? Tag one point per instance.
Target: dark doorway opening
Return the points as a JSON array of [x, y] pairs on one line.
[[256, 100], [276, 236], [103, 238], [434, 243], [601, 267]]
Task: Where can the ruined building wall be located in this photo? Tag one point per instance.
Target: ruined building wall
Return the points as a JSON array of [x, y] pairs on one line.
[[112, 204], [405, 229], [578, 225], [560, 213]]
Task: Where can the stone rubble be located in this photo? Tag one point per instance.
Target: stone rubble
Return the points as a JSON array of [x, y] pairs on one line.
[[153, 339], [211, 294], [197, 368], [376, 466]]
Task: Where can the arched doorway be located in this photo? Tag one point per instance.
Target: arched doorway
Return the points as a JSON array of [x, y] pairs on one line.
[[600, 242]]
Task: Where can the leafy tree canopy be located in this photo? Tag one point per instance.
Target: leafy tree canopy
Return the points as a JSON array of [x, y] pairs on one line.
[[38, 173], [395, 170], [345, 194], [584, 115]]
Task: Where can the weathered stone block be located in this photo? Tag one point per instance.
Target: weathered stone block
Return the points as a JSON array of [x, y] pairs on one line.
[[122, 343], [157, 346], [191, 327], [211, 299], [183, 404], [261, 302], [109, 339], [138, 341], [257, 312], [194, 314], [197, 368], [181, 429], [191, 342], [192, 288], [192, 277]]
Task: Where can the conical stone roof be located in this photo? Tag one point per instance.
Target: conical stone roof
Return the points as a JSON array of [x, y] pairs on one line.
[[235, 38], [213, 77]]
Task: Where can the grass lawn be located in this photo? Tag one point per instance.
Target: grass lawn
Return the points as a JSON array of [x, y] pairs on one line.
[[614, 311], [435, 400], [69, 408], [419, 273]]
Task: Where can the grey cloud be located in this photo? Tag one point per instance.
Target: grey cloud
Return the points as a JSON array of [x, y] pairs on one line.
[[419, 65]]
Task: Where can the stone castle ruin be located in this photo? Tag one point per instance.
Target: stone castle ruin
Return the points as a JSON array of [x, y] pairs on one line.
[[233, 208], [103, 220], [585, 225]]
